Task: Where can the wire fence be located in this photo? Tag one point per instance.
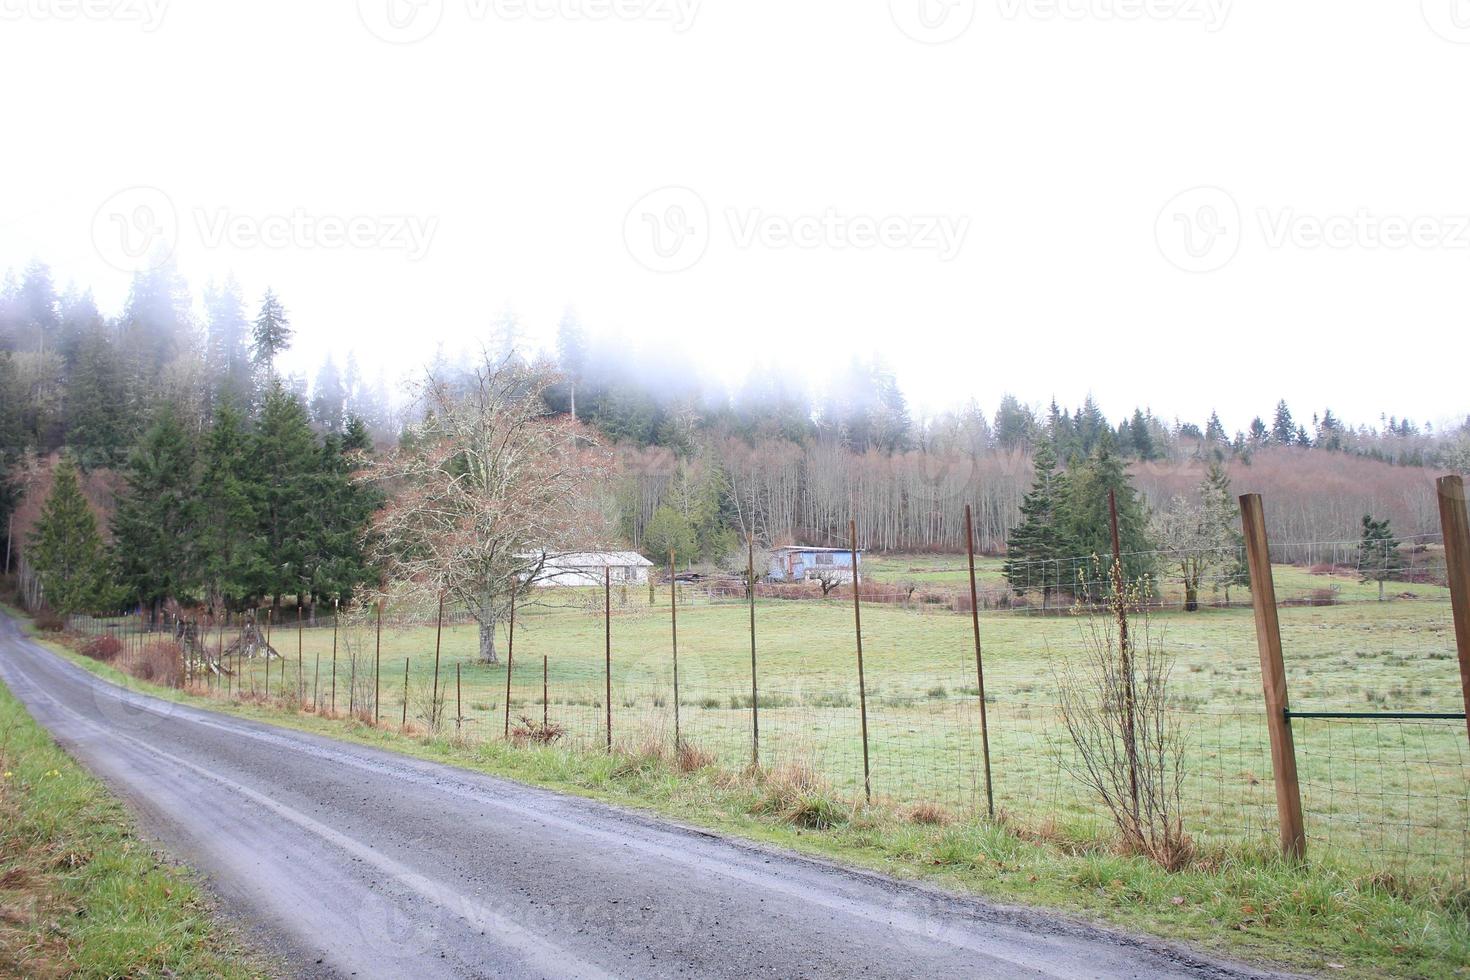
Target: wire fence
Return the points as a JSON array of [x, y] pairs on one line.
[[1383, 794]]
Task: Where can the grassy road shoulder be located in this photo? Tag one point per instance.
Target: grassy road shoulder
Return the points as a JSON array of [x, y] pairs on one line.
[[80, 893], [1239, 903]]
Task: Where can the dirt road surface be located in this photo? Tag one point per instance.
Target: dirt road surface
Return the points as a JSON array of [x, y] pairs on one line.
[[348, 861]]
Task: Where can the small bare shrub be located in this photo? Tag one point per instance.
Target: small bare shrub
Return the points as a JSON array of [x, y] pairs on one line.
[[1129, 745], [159, 662], [527, 731], [930, 814], [102, 648], [47, 621], [692, 757]]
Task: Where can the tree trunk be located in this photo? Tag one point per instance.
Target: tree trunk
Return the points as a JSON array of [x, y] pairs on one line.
[[487, 641], [1191, 597]]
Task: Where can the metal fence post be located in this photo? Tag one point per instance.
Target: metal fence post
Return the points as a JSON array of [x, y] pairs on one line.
[[438, 637], [378, 666], [1456, 526], [979, 664], [510, 653], [607, 639], [755, 704], [1273, 678], [857, 619], [336, 615], [674, 631]]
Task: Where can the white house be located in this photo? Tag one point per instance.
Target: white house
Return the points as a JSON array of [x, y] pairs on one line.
[[588, 567]]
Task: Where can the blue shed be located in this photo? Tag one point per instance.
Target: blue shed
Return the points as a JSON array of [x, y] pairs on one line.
[[801, 563]]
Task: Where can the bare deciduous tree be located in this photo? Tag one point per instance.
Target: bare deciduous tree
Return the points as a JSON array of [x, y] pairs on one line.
[[1129, 745], [484, 490]]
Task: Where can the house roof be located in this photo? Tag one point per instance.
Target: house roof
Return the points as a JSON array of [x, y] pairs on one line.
[[596, 559], [807, 547]]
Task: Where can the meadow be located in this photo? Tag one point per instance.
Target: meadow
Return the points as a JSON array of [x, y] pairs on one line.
[[1389, 794]]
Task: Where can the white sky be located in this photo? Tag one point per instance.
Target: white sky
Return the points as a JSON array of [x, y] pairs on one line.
[[1056, 135]]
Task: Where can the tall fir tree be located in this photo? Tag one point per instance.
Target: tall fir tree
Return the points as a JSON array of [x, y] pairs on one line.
[[1379, 559], [229, 344], [155, 524], [1222, 524], [99, 411], [1039, 547], [232, 564], [1283, 428], [271, 336], [286, 457], [1087, 520], [65, 547]]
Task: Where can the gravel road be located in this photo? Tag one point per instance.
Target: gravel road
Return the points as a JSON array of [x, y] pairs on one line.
[[348, 861]]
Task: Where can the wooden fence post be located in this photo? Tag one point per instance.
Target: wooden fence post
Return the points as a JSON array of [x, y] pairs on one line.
[[1273, 678], [1456, 526]]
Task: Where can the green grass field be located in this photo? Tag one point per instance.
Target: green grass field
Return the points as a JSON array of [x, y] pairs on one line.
[[1386, 794], [1331, 914], [80, 893]]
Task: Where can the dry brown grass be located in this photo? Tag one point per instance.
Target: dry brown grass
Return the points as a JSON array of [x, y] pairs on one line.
[[692, 758], [930, 814]]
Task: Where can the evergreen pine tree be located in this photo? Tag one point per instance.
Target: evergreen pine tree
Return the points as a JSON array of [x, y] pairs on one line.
[[337, 565], [1087, 523], [154, 528], [1283, 428], [1222, 524], [1038, 547], [1378, 553], [271, 336], [287, 460], [228, 353], [65, 547], [1215, 431], [98, 410], [232, 562]]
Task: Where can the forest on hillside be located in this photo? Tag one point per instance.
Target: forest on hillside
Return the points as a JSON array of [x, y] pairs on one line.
[[179, 394]]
